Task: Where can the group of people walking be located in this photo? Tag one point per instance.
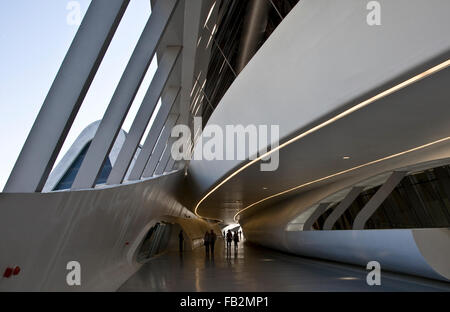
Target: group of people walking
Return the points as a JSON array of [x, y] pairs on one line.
[[209, 240], [232, 237]]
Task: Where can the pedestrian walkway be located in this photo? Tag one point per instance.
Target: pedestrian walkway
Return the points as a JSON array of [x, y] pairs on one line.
[[252, 268]]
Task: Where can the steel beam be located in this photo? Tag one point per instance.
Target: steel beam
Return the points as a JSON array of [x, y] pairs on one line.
[[170, 164], [192, 24], [166, 155], [377, 199], [124, 94], [308, 225], [65, 96], [342, 207], [169, 98], [143, 115], [160, 145]]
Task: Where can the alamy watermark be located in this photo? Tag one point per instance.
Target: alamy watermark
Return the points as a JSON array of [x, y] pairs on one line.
[[374, 16], [73, 17], [229, 142], [374, 276], [73, 278]]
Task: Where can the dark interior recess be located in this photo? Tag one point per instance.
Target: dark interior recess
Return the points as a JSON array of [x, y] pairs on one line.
[[420, 200], [155, 242]]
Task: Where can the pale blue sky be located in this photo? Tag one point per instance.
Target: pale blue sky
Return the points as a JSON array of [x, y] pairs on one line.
[[34, 38]]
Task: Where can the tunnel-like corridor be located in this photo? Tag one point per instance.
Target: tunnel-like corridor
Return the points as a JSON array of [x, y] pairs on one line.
[[317, 129]]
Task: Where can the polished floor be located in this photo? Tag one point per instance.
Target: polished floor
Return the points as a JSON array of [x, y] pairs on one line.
[[251, 268]]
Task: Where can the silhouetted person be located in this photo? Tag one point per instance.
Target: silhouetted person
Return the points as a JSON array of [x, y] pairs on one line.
[[229, 239], [180, 240], [240, 233], [212, 241], [236, 240], [206, 241]]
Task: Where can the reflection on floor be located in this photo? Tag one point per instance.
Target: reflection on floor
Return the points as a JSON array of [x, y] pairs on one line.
[[251, 268]]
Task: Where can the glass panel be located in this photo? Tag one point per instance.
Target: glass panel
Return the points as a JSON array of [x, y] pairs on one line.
[[421, 200], [345, 222], [66, 181]]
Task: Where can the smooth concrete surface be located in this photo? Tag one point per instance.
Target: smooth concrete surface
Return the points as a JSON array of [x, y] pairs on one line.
[[395, 250], [101, 229], [253, 268]]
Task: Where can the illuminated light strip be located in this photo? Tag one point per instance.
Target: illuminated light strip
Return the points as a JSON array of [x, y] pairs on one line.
[[209, 14], [195, 84], [212, 35], [198, 107], [195, 102], [340, 173], [381, 95]]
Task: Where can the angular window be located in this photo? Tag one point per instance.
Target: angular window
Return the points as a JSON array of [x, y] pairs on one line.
[[345, 222], [421, 200], [155, 242], [68, 178]]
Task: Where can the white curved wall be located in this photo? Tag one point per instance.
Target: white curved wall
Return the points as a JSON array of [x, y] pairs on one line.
[[101, 229], [320, 59], [395, 250], [423, 252]]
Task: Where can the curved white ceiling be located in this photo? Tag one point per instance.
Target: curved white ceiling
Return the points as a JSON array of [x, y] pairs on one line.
[[322, 60]]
